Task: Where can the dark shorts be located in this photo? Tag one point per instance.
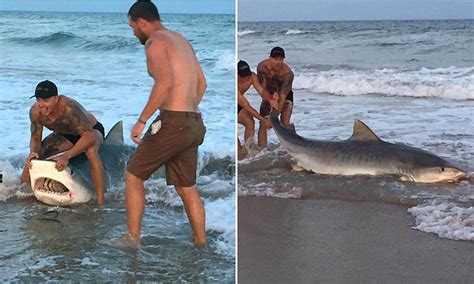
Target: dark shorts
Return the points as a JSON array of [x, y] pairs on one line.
[[74, 138], [175, 145], [265, 107]]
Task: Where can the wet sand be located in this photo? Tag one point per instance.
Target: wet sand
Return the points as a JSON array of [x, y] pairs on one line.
[[324, 240]]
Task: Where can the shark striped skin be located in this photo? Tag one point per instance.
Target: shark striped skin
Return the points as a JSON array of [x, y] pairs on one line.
[[365, 154]]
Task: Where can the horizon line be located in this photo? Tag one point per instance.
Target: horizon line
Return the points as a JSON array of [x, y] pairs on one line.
[[115, 12], [354, 20]]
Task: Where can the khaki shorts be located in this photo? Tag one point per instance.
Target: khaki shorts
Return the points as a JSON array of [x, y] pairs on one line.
[[175, 145]]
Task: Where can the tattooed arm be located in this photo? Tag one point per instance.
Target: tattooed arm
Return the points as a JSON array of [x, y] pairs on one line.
[[263, 92], [36, 132], [244, 103], [260, 89], [36, 129], [285, 89], [79, 123], [261, 75]]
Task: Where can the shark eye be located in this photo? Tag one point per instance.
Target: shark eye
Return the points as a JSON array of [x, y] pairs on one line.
[[442, 169]]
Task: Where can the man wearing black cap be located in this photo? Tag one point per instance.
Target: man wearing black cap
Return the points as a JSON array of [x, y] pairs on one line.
[[246, 112], [75, 130], [276, 77]]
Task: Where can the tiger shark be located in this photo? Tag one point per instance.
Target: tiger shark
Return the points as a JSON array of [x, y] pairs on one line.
[[365, 154], [73, 185]]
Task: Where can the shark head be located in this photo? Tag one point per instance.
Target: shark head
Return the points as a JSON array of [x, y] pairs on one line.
[[73, 185], [423, 166], [58, 187], [444, 173]]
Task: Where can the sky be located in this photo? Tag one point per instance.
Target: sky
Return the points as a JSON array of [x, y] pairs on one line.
[[164, 6], [343, 10]]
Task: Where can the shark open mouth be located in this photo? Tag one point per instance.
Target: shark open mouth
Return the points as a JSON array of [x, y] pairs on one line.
[[50, 186]]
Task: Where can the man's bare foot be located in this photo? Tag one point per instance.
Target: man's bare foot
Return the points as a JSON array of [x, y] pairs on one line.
[[242, 153], [200, 244], [127, 241]]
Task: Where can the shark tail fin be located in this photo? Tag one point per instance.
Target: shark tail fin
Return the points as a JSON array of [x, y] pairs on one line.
[[115, 135]]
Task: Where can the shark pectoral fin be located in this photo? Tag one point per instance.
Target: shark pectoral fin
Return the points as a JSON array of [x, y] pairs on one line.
[[297, 168], [405, 178]]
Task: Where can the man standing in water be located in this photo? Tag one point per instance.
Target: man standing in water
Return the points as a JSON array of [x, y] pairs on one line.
[[75, 130], [246, 112], [276, 77], [179, 86]]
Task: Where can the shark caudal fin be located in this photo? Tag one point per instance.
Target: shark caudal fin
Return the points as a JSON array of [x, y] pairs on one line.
[[115, 135]]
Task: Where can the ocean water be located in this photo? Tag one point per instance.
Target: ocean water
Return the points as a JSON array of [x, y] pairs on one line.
[[95, 59], [411, 82]]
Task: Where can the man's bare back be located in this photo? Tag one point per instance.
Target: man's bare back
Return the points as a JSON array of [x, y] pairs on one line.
[[180, 67]]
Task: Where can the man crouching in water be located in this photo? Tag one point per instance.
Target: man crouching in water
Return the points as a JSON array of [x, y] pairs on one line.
[[75, 130], [178, 88]]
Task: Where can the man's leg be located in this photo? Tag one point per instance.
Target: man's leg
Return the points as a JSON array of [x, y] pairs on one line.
[[97, 168], [265, 109], [246, 119], [286, 113], [53, 144], [195, 212], [262, 136], [135, 203]]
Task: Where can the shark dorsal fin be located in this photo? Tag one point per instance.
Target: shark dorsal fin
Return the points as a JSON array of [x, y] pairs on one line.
[[115, 135], [362, 132]]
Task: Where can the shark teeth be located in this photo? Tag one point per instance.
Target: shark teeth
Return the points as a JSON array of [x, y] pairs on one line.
[[51, 186]]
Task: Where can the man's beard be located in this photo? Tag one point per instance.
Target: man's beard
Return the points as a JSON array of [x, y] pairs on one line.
[[142, 38]]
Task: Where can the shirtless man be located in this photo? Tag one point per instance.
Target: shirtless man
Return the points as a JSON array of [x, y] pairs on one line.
[[178, 88], [246, 112], [276, 77], [75, 130]]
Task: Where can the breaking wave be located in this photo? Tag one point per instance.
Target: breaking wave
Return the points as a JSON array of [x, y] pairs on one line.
[[450, 83], [67, 39]]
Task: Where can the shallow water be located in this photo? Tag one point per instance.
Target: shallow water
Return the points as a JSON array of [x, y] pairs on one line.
[[95, 59]]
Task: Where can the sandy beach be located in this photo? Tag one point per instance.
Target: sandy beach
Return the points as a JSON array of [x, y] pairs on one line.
[[325, 240]]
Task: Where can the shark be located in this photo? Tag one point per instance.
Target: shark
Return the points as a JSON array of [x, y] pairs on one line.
[[364, 153], [73, 185]]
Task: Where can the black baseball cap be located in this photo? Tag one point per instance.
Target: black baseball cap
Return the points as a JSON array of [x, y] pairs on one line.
[[243, 69], [45, 90], [277, 52]]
